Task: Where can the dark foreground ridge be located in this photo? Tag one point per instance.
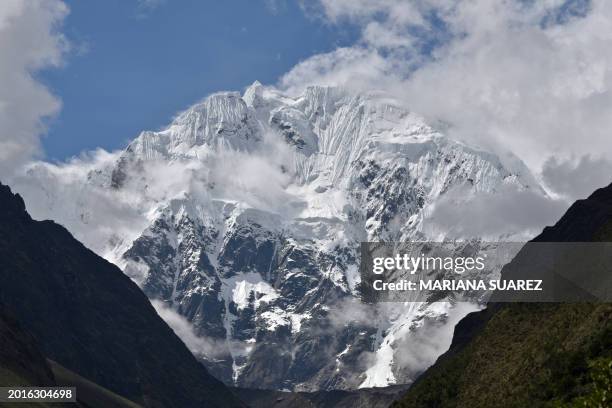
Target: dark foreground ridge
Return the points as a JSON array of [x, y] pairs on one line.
[[62, 302], [530, 355]]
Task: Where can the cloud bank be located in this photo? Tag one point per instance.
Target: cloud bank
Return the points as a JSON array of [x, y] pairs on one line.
[[510, 213], [533, 78], [30, 41], [528, 77], [577, 178]]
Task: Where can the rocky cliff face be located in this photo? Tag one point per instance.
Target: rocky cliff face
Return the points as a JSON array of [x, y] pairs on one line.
[[249, 210]]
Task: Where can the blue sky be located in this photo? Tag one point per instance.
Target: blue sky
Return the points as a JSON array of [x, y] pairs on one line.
[[132, 68]]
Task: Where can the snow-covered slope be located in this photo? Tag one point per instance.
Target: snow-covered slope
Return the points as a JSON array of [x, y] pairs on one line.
[[245, 216]]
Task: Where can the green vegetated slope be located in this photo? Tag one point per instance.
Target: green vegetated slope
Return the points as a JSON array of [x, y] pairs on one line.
[[531, 354]]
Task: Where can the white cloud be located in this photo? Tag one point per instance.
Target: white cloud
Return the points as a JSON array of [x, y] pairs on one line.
[[95, 214], [30, 40], [356, 67], [518, 214], [576, 178], [420, 348], [199, 345], [531, 77]]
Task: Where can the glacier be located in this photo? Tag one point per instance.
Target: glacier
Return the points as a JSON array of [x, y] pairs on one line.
[[245, 216]]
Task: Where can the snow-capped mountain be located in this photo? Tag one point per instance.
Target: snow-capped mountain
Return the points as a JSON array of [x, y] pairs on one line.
[[245, 216]]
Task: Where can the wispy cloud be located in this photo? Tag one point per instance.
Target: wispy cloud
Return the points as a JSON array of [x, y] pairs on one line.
[[198, 345], [276, 6], [146, 7]]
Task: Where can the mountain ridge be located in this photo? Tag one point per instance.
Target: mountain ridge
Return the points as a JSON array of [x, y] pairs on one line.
[[245, 215]]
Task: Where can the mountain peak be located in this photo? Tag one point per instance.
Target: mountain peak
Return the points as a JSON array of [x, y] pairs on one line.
[[251, 210], [11, 204]]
